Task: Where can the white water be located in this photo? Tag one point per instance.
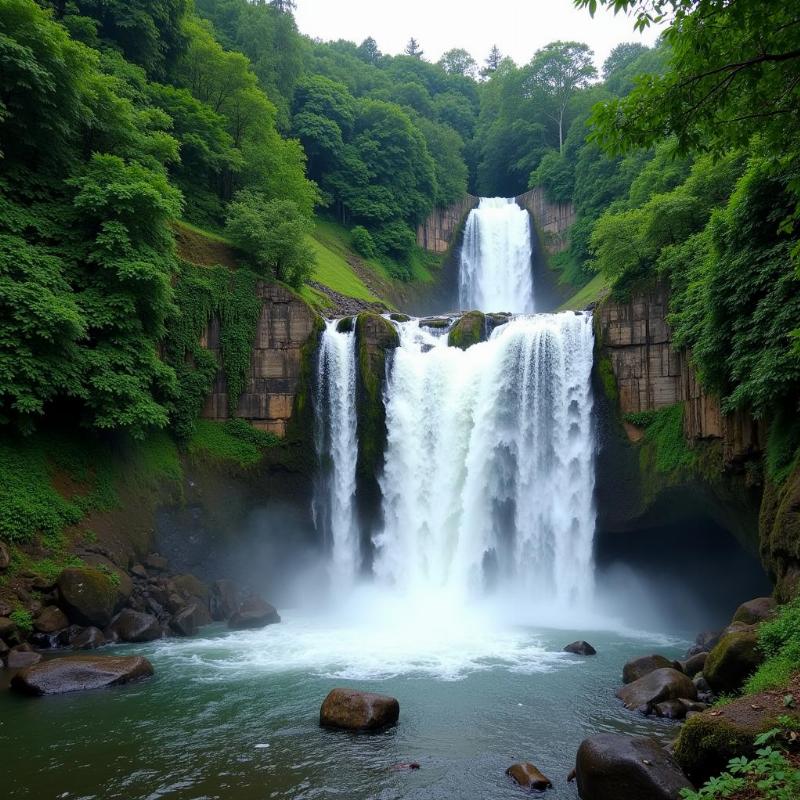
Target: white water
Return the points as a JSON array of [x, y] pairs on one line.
[[334, 513], [495, 269], [489, 466]]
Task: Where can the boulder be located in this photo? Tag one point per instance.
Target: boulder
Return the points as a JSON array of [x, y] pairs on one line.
[[253, 613], [434, 322], [90, 597], [7, 627], [399, 317], [639, 667], [5, 557], [694, 664], [136, 626], [156, 562], [184, 623], [732, 661], [224, 599], [656, 687], [80, 672], [671, 709], [707, 639], [580, 648], [754, 611], [192, 586], [138, 571], [352, 710], [529, 777], [610, 766], [87, 639], [19, 659], [468, 330], [50, 620]]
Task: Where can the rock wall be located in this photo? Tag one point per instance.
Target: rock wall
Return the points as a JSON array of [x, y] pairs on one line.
[[285, 325], [651, 374], [437, 232], [553, 220]]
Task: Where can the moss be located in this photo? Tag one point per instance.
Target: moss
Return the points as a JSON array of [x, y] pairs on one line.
[[22, 619], [468, 330], [234, 440], [605, 371], [779, 534]]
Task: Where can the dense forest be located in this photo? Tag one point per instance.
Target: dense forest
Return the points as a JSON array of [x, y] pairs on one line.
[[118, 118]]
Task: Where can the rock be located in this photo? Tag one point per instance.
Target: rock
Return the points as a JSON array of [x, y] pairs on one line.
[[346, 325], [639, 667], [529, 777], [89, 596], [610, 766], [732, 661], [184, 623], [694, 664], [136, 626], [671, 709], [253, 613], [707, 639], [88, 639], [224, 600], [404, 765], [700, 682], [5, 557], [435, 322], [580, 648], [655, 687], [7, 627], [736, 627], [20, 659], [80, 672], [468, 330], [156, 562], [50, 620], [192, 587], [352, 710], [754, 611], [138, 571], [3, 648]]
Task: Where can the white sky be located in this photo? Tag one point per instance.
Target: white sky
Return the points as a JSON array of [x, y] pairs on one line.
[[518, 27]]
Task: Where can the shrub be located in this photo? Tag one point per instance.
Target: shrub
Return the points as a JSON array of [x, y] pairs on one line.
[[395, 240], [779, 640], [363, 243], [22, 619]]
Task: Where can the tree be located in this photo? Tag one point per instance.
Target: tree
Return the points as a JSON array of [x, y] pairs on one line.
[[492, 62], [368, 51], [557, 72], [621, 56], [413, 48], [283, 6], [459, 62]]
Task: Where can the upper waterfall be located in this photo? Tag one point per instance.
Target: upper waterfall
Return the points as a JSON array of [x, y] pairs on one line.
[[495, 271]]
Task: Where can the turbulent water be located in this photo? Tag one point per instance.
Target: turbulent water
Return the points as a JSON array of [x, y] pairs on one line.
[[495, 270], [489, 467], [336, 442]]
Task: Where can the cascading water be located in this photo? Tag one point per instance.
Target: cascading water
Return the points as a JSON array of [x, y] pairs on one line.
[[334, 514], [495, 270], [489, 466]]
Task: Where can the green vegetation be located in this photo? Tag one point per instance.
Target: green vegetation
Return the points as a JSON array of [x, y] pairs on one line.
[[664, 445], [779, 640], [234, 440], [331, 270], [22, 619]]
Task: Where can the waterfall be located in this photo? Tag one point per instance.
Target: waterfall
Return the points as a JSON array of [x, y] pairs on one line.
[[495, 270], [489, 471], [335, 434]]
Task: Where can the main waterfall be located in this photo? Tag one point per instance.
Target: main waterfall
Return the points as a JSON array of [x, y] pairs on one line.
[[495, 270], [489, 473]]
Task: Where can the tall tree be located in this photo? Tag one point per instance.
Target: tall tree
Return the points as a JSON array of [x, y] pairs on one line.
[[368, 51], [458, 62], [557, 72], [492, 61], [413, 48], [284, 6]]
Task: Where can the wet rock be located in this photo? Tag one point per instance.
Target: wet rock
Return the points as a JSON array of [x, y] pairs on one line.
[[694, 664], [399, 317], [7, 627], [253, 613], [732, 661], [580, 648], [156, 562], [404, 765], [346, 325], [224, 599], [20, 659], [611, 766], [754, 611], [191, 586], [529, 777], [90, 597], [184, 623], [670, 709], [468, 330], [352, 710], [88, 639], [138, 571], [435, 322], [701, 683], [707, 639], [5, 557], [134, 626], [3, 649], [80, 672], [656, 687], [639, 667], [50, 620]]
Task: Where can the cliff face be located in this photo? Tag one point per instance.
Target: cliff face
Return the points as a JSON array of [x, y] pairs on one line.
[[437, 232], [553, 220], [285, 326]]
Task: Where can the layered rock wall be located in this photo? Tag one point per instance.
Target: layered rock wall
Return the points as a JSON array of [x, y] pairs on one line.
[[438, 231], [284, 327], [553, 220]]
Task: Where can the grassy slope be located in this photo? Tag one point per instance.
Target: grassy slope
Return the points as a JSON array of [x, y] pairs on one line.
[[595, 290]]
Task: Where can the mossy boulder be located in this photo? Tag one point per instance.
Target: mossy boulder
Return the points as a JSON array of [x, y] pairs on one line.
[[639, 667], [734, 658], [346, 325], [468, 330], [755, 611], [92, 596], [656, 687]]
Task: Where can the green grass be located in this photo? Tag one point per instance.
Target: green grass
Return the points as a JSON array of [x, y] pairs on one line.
[[209, 234], [333, 271], [234, 440], [779, 640], [594, 291]]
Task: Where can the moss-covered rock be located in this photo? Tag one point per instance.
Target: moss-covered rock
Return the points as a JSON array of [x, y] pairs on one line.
[[779, 534], [91, 596], [734, 658], [346, 324], [468, 330]]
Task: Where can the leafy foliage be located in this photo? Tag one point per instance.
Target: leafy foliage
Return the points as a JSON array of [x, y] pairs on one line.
[[779, 640]]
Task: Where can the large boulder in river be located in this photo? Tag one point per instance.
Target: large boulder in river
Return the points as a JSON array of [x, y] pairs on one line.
[[187, 620], [468, 330], [224, 599], [734, 658], [639, 667], [136, 626], [352, 710], [694, 664], [50, 620], [87, 639], [91, 596], [253, 613], [655, 687], [610, 766], [580, 648], [529, 777], [80, 672], [754, 611]]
